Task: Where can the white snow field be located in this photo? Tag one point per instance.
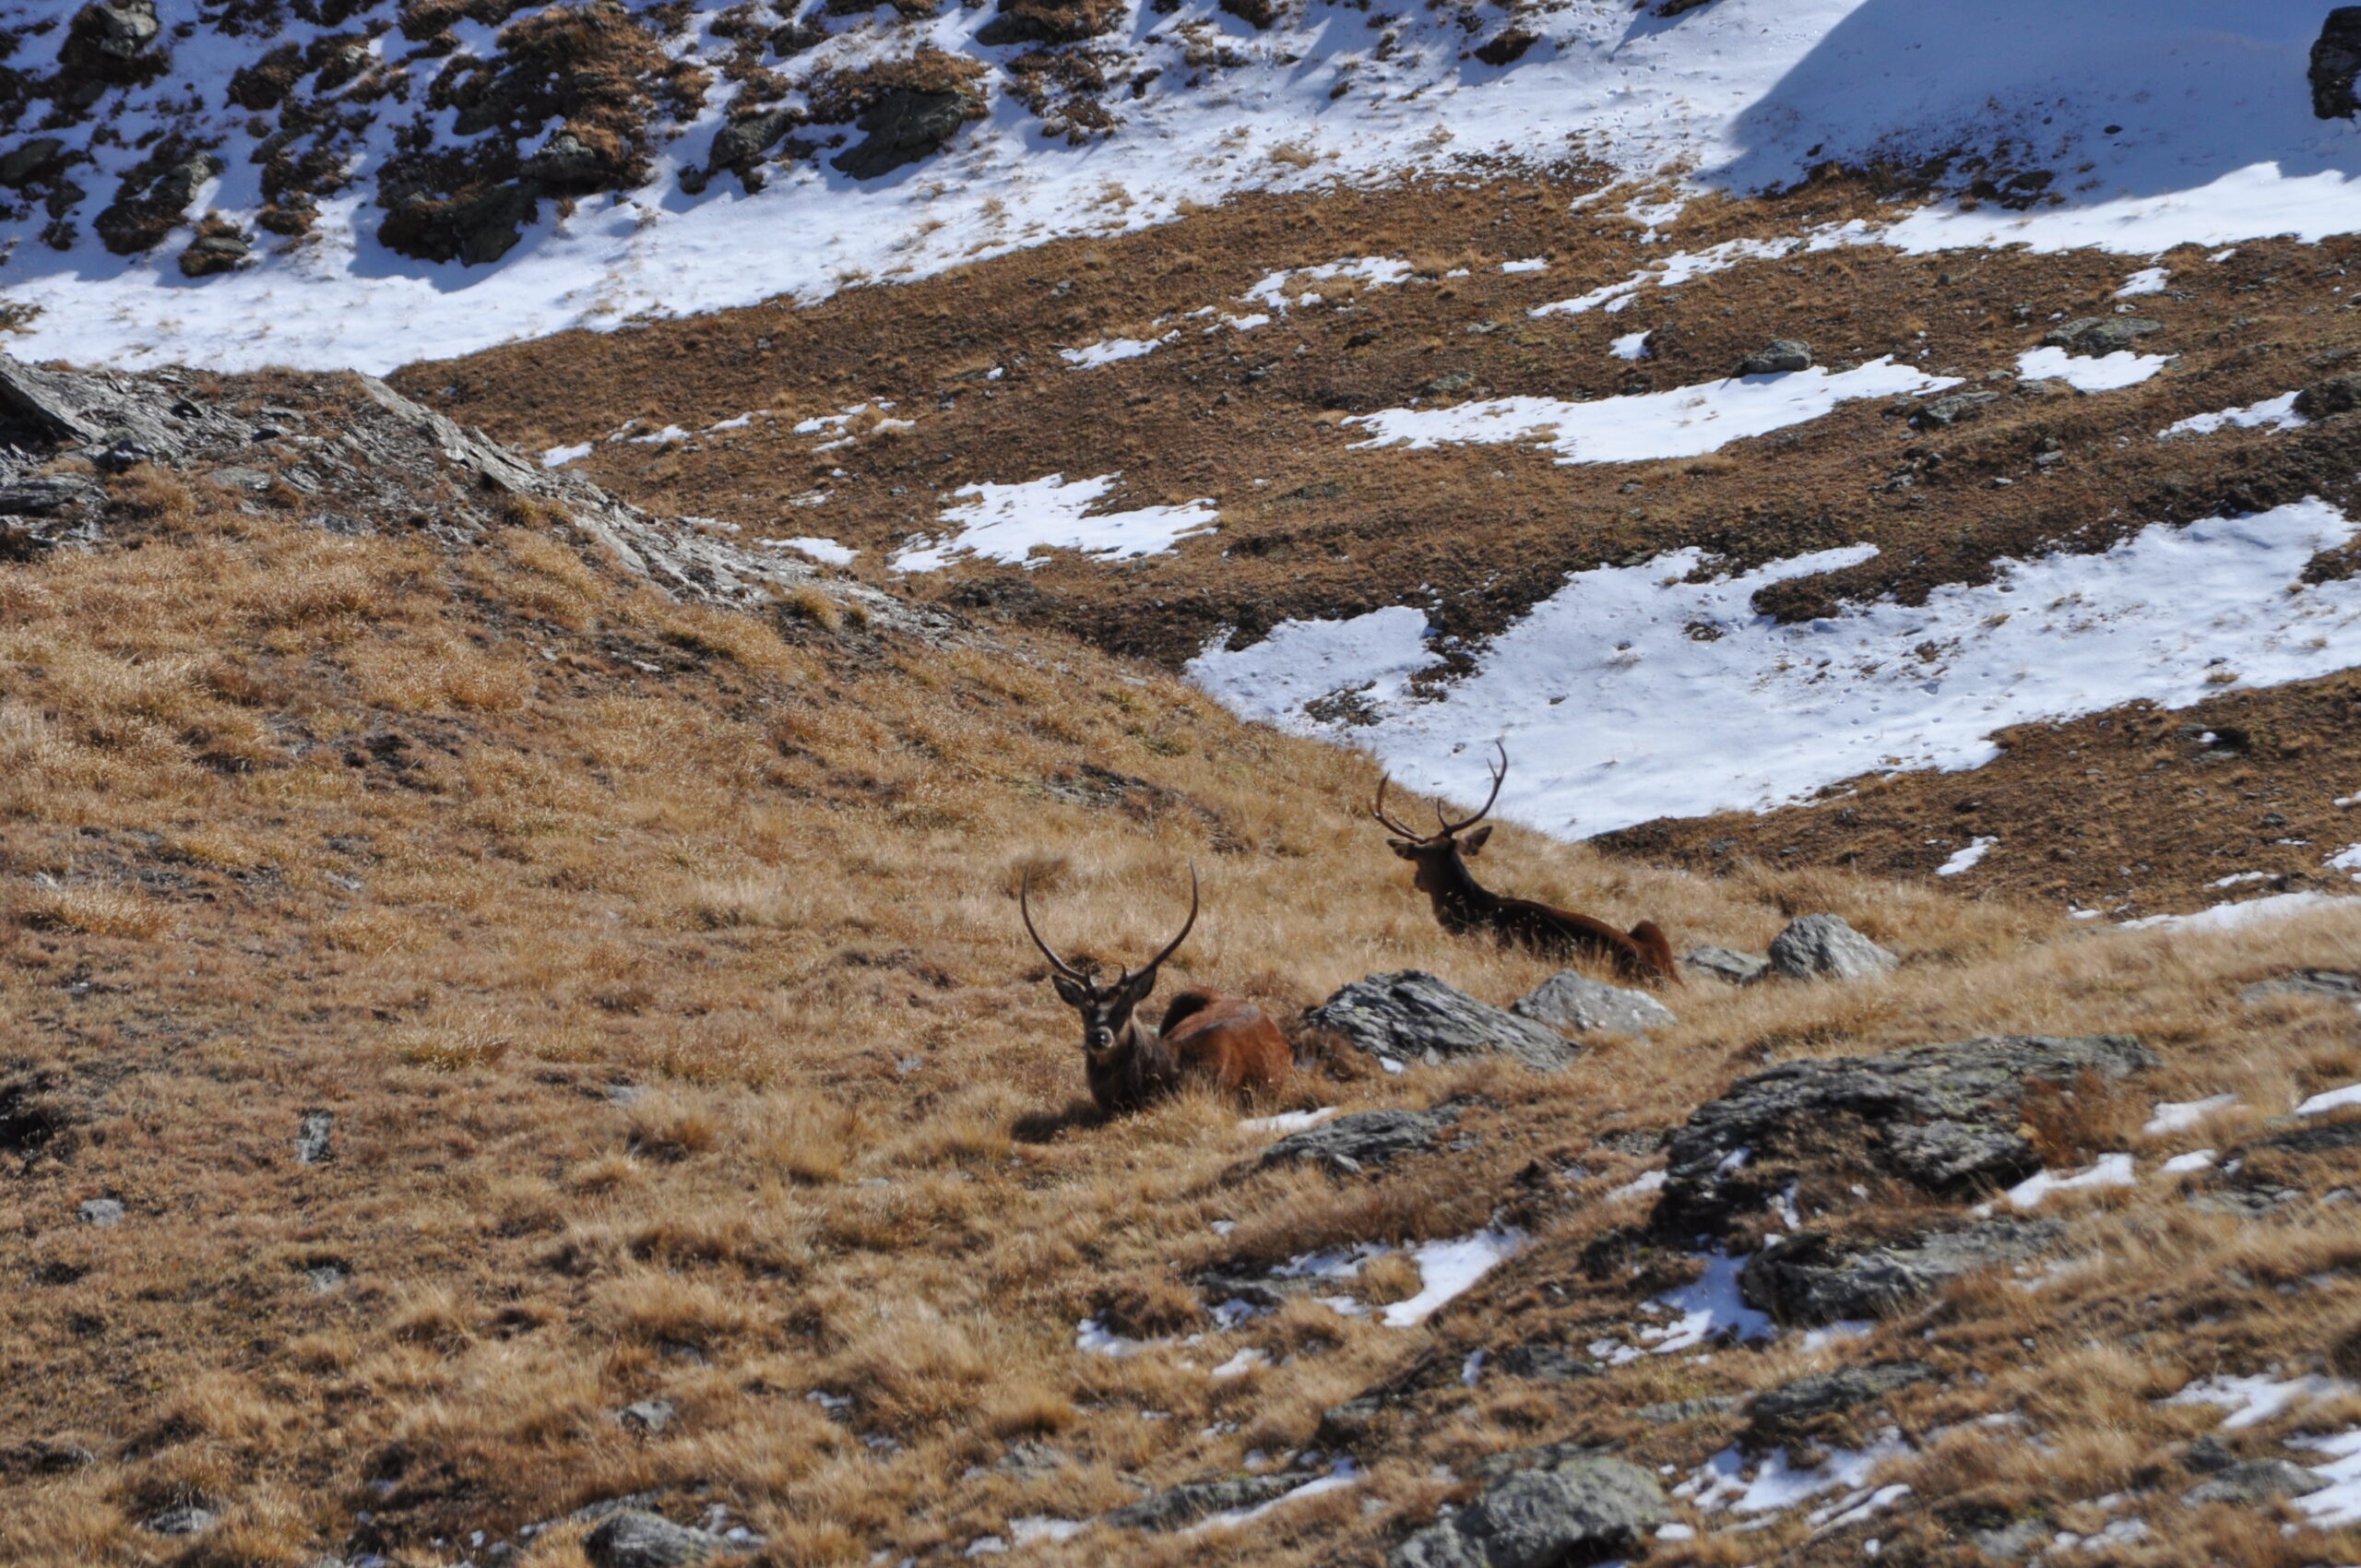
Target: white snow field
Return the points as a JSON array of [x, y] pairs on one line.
[[1633, 692], [1008, 522], [2174, 121]]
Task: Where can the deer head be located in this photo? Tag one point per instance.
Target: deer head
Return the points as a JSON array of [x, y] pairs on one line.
[[1437, 854], [1108, 1026]]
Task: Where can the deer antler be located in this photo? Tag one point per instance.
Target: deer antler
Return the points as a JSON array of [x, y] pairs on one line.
[[1499, 774], [1023, 908], [1378, 811], [1174, 945]]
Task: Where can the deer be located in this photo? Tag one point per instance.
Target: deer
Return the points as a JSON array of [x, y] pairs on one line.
[[1206, 1036], [1465, 906]]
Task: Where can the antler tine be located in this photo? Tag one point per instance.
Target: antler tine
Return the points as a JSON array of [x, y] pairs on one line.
[[1023, 908], [1174, 945], [1378, 811], [1500, 773]]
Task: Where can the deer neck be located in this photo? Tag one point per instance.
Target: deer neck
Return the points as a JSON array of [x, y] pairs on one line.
[[1459, 899], [1133, 1068]]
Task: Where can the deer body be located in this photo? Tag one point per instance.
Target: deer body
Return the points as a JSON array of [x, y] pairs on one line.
[[1464, 906], [1206, 1037]]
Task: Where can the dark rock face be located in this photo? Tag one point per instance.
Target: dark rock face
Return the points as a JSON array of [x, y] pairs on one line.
[[1543, 1363], [635, 1539], [214, 251], [109, 43], [1508, 47], [1813, 1279], [2326, 399], [2336, 61], [1796, 1405], [1410, 1014], [1728, 965], [1352, 1143], [140, 218], [743, 143], [1672, 1413], [903, 127], [568, 165], [1570, 1001], [180, 1519], [1048, 21], [1825, 946], [1178, 1507], [2253, 1482], [1944, 1118], [1958, 405], [1583, 1508], [1778, 357], [2099, 334], [33, 160], [474, 231]]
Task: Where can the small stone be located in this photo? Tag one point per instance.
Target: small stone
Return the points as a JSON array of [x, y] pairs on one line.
[[1353, 1143], [2100, 334], [2252, 1483], [1570, 1001], [1672, 1413], [1409, 1014], [2209, 1455], [637, 1539], [1958, 405], [1728, 964], [1797, 1404], [1581, 1509], [1824, 945], [1779, 357], [312, 1138], [1543, 1363], [646, 1418], [1178, 1507], [104, 1213], [180, 1519]]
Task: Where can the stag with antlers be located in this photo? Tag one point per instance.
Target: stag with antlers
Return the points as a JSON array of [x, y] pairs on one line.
[[1463, 905], [1206, 1036]]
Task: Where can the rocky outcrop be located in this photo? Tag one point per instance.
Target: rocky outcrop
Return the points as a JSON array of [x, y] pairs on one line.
[[1353, 1144], [1815, 1278], [2250, 1483], [1783, 1412], [2100, 334], [2326, 399], [741, 146], [2336, 62], [2334, 985], [1570, 1001], [1048, 21], [1412, 1017], [1778, 357], [634, 1538], [1507, 46], [1581, 1509], [903, 126], [1726, 965], [1178, 1507], [1941, 412], [1825, 947], [1945, 1118]]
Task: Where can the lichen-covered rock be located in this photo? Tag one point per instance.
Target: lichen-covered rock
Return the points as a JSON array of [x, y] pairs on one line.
[[1791, 1407], [2326, 399], [1570, 1001], [1815, 1278], [1944, 1118], [1827, 948], [903, 126], [1180, 1506], [2100, 334], [1726, 965], [634, 1538], [1410, 1015], [1352, 1143], [1581, 1509], [2250, 1483], [1948, 410], [1779, 357]]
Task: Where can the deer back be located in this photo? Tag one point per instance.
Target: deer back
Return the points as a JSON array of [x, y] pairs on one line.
[[1227, 1040], [1562, 932]]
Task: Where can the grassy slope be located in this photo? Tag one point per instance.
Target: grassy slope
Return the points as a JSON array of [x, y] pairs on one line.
[[452, 845]]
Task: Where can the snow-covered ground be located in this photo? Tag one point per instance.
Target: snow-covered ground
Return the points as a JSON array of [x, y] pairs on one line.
[[2169, 121], [1008, 522], [1635, 692]]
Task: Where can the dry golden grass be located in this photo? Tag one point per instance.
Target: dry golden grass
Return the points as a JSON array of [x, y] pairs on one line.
[[682, 1042]]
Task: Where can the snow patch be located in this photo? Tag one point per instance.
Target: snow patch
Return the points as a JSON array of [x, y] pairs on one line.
[[2147, 280], [1287, 1121], [2252, 1400], [1450, 1269], [2112, 1170], [2090, 373], [826, 550], [1112, 350], [2179, 1116], [1009, 522], [2278, 412], [1965, 860]]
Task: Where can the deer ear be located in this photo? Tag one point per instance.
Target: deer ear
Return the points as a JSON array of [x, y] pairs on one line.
[[1070, 991], [1473, 843], [1403, 847], [1136, 989]]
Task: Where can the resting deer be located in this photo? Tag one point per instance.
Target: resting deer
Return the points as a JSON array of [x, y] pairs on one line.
[[1463, 906], [1222, 1039]]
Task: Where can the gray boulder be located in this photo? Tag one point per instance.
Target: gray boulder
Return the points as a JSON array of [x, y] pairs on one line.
[[633, 1538], [648, 1417], [1673, 1412], [743, 142], [2253, 1482], [1581, 1509], [1570, 1001], [1352, 1143], [180, 1519], [1819, 946], [2336, 61], [1410, 1015], [903, 126], [46, 495], [1943, 412], [2337, 985], [1778, 357], [1793, 1406], [1728, 964], [36, 159], [117, 29], [312, 1138], [1180, 1506], [104, 1213], [2099, 334], [1944, 1118], [1814, 1278], [2326, 399], [1543, 1363]]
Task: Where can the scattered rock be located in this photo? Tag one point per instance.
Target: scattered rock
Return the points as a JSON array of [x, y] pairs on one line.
[[1500, 1467], [1507, 47], [633, 1538], [1814, 1278], [1778, 357], [1410, 1015], [904, 125], [1728, 964], [180, 1519], [1352, 1143], [1342, 1425], [312, 1138], [1048, 21], [1944, 1118], [34, 160], [1672, 1413], [1178, 1507], [648, 1417], [741, 144], [2326, 399], [1543, 1363], [2336, 61], [2253, 1482], [48, 495], [2338, 985], [2014, 1541], [1951, 410], [2209, 1455], [212, 252], [1584, 1508], [1570, 1001], [104, 1213], [45, 1456], [473, 230], [567, 165], [2100, 334], [796, 37], [1825, 946], [1786, 1410]]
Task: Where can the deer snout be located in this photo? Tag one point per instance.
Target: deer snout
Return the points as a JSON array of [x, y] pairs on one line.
[[1098, 1037]]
